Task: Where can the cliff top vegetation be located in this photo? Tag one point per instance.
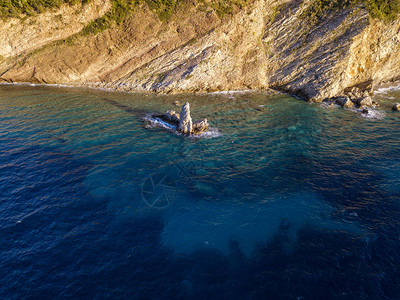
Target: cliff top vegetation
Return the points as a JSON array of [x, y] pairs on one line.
[[386, 10]]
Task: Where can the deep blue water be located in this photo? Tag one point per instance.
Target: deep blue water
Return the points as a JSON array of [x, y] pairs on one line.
[[287, 200]]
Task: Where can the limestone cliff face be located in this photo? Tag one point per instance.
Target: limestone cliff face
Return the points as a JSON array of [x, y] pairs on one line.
[[254, 48]]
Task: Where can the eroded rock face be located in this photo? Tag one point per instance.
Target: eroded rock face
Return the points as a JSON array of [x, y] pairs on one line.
[[199, 52], [185, 122], [200, 126]]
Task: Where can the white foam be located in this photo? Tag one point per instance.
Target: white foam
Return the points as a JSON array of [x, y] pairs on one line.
[[212, 132], [232, 92], [373, 114], [93, 87], [385, 90], [156, 122], [37, 84]]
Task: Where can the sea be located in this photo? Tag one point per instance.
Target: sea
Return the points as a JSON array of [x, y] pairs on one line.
[[280, 199]]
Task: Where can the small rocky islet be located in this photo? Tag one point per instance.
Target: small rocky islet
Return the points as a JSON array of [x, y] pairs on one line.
[[182, 122]]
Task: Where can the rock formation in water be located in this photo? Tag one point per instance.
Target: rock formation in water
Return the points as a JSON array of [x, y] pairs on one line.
[[263, 44], [183, 121]]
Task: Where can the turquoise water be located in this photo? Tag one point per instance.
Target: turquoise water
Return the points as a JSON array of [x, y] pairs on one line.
[[285, 199]]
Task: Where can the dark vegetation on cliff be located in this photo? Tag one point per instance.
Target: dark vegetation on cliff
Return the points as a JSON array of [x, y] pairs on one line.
[[386, 10], [163, 8], [120, 9], [383, 9], [16, 8]]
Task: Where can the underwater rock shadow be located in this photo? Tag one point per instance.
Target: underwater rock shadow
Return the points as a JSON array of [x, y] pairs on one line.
[[130, 110]]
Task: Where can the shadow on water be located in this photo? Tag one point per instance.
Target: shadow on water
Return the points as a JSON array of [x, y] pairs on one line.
[[321, 264], [130, 110]]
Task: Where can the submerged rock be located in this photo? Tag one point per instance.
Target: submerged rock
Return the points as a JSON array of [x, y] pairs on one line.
[[396, 107]]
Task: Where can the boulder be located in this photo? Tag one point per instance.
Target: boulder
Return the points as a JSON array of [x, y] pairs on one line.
[[365, 101], [355, 93], [360, 90], [200, 126], [396, 107], [185, 120], [344, 101]]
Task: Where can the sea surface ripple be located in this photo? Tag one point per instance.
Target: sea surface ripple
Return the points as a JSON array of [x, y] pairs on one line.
[[285, 200]]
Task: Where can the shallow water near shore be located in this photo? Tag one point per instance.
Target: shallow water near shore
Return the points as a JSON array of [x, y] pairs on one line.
[[285, 200]]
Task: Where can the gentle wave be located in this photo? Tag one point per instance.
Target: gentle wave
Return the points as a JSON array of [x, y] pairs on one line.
[[38, 84], [385, 90], [373, 114], [95, 204]]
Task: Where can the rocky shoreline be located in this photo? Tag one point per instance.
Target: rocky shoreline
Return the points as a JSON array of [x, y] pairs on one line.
[[267, 45]]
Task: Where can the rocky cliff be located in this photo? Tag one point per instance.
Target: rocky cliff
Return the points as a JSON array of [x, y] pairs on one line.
[[265, 44]]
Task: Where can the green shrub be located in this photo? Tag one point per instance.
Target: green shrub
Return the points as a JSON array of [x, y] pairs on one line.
[[382, 9], [16, 8], [319, 9], [224, 7], [117, 13], [120, 9], [163, 8]]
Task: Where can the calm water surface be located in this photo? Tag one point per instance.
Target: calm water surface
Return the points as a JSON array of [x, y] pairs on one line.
[[284, 200]]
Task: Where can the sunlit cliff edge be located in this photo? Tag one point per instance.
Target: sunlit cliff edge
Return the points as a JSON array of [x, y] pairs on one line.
[[264, 44]]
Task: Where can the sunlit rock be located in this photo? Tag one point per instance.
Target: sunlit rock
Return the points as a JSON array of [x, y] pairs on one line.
[[365, 101], [185, 122]]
